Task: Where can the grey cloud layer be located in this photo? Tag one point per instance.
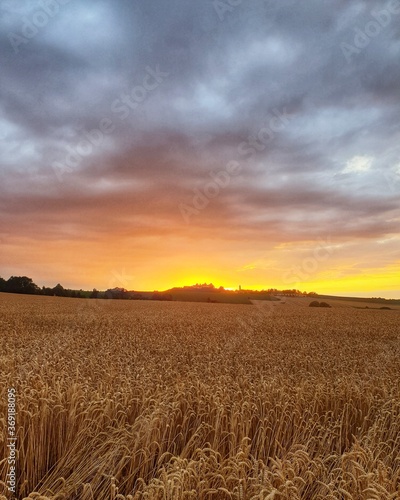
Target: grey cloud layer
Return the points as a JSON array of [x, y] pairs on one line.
[[225, 79]]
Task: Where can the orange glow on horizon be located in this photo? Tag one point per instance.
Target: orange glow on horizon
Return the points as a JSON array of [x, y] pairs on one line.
[[87, 265]]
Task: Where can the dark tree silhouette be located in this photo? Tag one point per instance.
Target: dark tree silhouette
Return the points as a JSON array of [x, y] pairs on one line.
[[59, 291], [21, 284]]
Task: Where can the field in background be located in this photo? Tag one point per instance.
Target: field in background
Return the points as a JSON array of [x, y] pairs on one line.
[[342, 302], [234, 297], [168, 400]]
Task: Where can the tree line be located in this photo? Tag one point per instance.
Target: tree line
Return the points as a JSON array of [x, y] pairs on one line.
[[25, 285]]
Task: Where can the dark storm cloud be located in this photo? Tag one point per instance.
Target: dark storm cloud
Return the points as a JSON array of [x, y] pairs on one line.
[[230, 69]]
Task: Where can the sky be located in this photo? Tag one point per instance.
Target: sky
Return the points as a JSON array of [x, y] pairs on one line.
[[147, 145]]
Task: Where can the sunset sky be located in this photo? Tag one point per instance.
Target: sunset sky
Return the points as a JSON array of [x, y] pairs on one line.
[[152, 144]]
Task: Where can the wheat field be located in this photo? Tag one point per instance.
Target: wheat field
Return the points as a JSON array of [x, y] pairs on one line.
[[150, 400]]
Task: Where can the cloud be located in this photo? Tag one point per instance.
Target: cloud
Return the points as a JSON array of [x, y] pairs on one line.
[[358, 164], [227, 79]]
